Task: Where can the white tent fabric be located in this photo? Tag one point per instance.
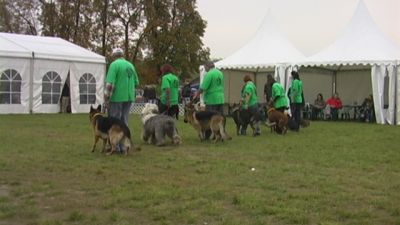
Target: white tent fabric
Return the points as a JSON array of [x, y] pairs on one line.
[[362, 43], [268, 48], [268, 51], [34, 70]]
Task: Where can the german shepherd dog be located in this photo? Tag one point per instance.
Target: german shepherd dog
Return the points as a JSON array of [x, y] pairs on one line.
[[278, 120], [206, 120], [110, 130]]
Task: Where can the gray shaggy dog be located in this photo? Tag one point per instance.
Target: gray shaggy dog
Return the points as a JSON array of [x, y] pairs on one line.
[[156, 127]]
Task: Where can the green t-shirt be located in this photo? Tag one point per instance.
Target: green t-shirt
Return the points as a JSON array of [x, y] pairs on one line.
[[213, 87], [296, 90], [170, 81], [278, 93], [251, 90], [122, 75]]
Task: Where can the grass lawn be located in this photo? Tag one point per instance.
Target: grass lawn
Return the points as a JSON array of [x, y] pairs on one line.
[[329, 173]]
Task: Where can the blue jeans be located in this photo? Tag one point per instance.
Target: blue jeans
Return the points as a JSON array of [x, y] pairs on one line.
[[120, 110]]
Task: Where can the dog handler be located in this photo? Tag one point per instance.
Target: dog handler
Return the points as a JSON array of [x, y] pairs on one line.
[[250, 103], [279, 97], [121, 83], [213, 89], [169, 92]]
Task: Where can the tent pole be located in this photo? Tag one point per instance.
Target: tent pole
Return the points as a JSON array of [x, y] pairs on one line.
[[31, 73], [395, 95]]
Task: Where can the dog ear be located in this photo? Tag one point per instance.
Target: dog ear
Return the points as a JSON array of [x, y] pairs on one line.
[[99, 108], [91, 108]]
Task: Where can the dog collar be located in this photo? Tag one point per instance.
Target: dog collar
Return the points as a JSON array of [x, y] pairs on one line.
[[269, 110]]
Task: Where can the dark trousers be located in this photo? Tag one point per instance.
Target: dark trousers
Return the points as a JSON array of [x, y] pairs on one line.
[[216, 108], [296, 113]]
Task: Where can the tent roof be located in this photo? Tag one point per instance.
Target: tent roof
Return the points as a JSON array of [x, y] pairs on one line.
[[267, 48], [28, 46], [361, 43]]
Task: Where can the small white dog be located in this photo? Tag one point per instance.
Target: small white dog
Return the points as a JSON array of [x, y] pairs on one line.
[[156, 127]]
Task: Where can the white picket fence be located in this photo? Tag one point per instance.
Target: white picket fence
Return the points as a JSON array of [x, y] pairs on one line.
[[136, 108]]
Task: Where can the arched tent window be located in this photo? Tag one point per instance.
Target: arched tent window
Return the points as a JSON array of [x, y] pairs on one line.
[[51, 88], [87, 89], [10, 87]]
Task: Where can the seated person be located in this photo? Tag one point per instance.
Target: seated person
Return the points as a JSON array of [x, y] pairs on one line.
[[367, 109], [334, 104], [319, 105]]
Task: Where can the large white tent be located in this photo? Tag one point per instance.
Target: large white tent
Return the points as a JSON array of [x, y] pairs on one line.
[[34, 70], [360, 62], [269, 51]]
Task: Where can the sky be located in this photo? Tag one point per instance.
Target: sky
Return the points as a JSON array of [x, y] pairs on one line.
[[311, 25]]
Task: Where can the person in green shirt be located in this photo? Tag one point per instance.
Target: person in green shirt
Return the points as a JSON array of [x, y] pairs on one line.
[[250, 104], [278, 96], [212, 88], [121, 82], [169, 92], [296, 99]]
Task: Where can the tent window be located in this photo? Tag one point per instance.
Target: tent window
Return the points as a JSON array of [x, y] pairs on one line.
[[51, 88], [10, 87], [87, 89]]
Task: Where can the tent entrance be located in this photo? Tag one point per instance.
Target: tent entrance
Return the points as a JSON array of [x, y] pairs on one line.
[[65, 98]]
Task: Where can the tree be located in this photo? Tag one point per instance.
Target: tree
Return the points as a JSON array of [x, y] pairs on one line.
[[174, 35], [19, 16], [152, 32]]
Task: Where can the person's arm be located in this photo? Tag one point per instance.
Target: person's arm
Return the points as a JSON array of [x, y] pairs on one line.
[[198, 93], [110, 80]]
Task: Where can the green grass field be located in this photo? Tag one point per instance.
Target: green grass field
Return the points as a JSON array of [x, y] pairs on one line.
[[329, 173]]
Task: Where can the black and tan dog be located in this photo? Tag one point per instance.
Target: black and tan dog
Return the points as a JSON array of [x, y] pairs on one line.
[[242, 118], [110, 130], [206, 120]]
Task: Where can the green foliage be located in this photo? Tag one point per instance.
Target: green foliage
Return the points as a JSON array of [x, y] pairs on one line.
[[328, 173], [151, 32]]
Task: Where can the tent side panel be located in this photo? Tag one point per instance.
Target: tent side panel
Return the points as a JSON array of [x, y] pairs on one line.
[[315, 83], [22, 68], [87, 86], [49, 78], [233, 85], [353, 86], [398, 95]]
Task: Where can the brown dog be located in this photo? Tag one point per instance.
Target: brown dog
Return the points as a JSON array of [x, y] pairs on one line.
[[206, 120], [279, 120]]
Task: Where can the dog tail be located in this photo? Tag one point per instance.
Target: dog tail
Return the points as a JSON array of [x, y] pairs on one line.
[[222, 130], [132, 146]]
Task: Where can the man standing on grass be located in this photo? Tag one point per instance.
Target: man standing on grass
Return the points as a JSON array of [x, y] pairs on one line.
[[121, 83]]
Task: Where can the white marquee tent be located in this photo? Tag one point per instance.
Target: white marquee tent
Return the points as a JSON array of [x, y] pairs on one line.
[[268, 52], [359, 61], [34, 70]]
